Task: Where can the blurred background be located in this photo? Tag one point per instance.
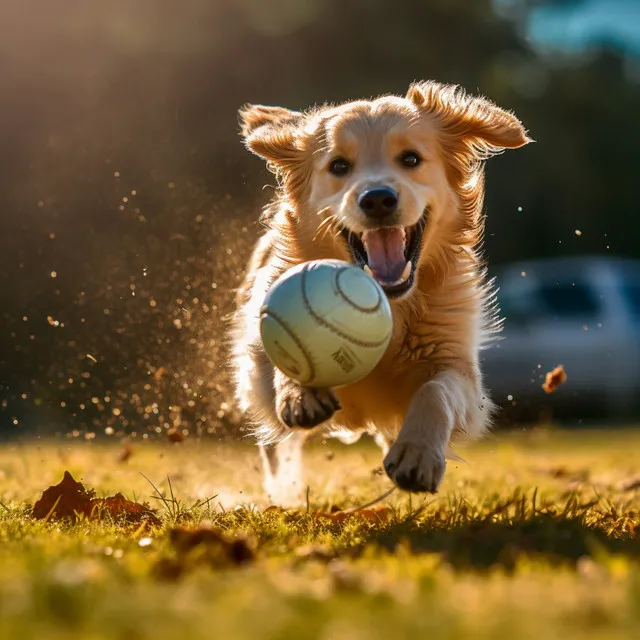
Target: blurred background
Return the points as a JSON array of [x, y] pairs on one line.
[[128, 205]]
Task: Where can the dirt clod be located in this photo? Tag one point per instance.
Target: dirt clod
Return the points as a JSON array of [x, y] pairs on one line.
[[554, 379]]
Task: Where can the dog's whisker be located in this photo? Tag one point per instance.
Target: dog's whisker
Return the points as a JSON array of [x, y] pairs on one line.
[[323, 228], [328, 224]]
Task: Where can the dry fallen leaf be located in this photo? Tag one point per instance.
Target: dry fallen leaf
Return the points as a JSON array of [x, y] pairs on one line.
[[119, 508], [203, 546], [187, 538], [65, 500], [168, 569], [70, 499], [554, 379], [221, 548], [274, 508]]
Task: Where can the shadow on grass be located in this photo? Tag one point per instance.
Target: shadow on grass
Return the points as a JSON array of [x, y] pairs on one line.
[[475, 538]]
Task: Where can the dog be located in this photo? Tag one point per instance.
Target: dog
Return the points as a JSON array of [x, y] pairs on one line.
[[395, 185]]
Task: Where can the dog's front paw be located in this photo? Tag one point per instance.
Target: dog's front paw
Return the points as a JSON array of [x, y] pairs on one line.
[[305, 407], [415, 467]]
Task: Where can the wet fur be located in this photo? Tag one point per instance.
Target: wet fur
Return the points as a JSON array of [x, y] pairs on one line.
[[428, 387]]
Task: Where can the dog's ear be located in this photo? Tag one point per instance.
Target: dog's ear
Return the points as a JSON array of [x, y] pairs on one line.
[[273, 133], [476, 126]]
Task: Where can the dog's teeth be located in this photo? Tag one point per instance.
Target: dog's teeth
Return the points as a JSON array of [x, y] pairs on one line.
[[406, 273], [367, 269]]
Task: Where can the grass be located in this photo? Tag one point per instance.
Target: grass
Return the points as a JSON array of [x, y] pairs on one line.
[[537, 536]]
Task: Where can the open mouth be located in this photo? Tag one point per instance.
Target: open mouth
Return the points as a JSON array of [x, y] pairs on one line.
[[389, 254]]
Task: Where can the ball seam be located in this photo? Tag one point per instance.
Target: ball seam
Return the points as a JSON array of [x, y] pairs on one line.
[[321, 321], [298, 342], [348, 300]]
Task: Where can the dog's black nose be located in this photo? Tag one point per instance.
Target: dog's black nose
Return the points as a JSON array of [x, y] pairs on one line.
[[379, 202]]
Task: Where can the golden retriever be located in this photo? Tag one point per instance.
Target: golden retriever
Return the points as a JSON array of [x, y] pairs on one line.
[[395, 185]]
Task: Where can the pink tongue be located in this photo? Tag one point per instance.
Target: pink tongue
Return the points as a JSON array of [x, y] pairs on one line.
[[385, 253]]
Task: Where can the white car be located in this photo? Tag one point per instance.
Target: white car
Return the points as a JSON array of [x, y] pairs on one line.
[[582, 313]]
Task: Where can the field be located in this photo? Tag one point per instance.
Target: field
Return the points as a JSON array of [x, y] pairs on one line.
[[537, 535]]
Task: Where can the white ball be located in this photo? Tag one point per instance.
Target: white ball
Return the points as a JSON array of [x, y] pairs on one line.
[[325, 323]]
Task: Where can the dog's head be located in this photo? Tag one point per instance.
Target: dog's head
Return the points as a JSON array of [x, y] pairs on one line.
[[391, 179]]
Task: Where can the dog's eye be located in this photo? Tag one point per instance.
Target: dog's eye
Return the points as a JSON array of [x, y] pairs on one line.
[[410, 159], [339, 167]]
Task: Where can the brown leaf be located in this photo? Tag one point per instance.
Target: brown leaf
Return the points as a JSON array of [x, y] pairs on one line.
[[554, 379], [119, 508], [168, 569], [337, 516], [274, 508], [187, 538], [220, 548], [201, 546], [70, 499], [379, 514]]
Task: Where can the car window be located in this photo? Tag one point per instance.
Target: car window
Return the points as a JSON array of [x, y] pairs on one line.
[[569, 300], [513, 311], [631, 295], [517, 305]]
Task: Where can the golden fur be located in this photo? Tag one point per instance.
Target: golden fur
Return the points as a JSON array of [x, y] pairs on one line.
[[428, 386]]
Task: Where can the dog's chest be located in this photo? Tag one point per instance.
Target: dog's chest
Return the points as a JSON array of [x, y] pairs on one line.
[[419, 343], [418, 346]]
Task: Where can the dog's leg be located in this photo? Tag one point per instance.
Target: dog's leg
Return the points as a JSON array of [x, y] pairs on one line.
[[265, 394], [269, 457], [298, 406], [416, 461], [282, 465]]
